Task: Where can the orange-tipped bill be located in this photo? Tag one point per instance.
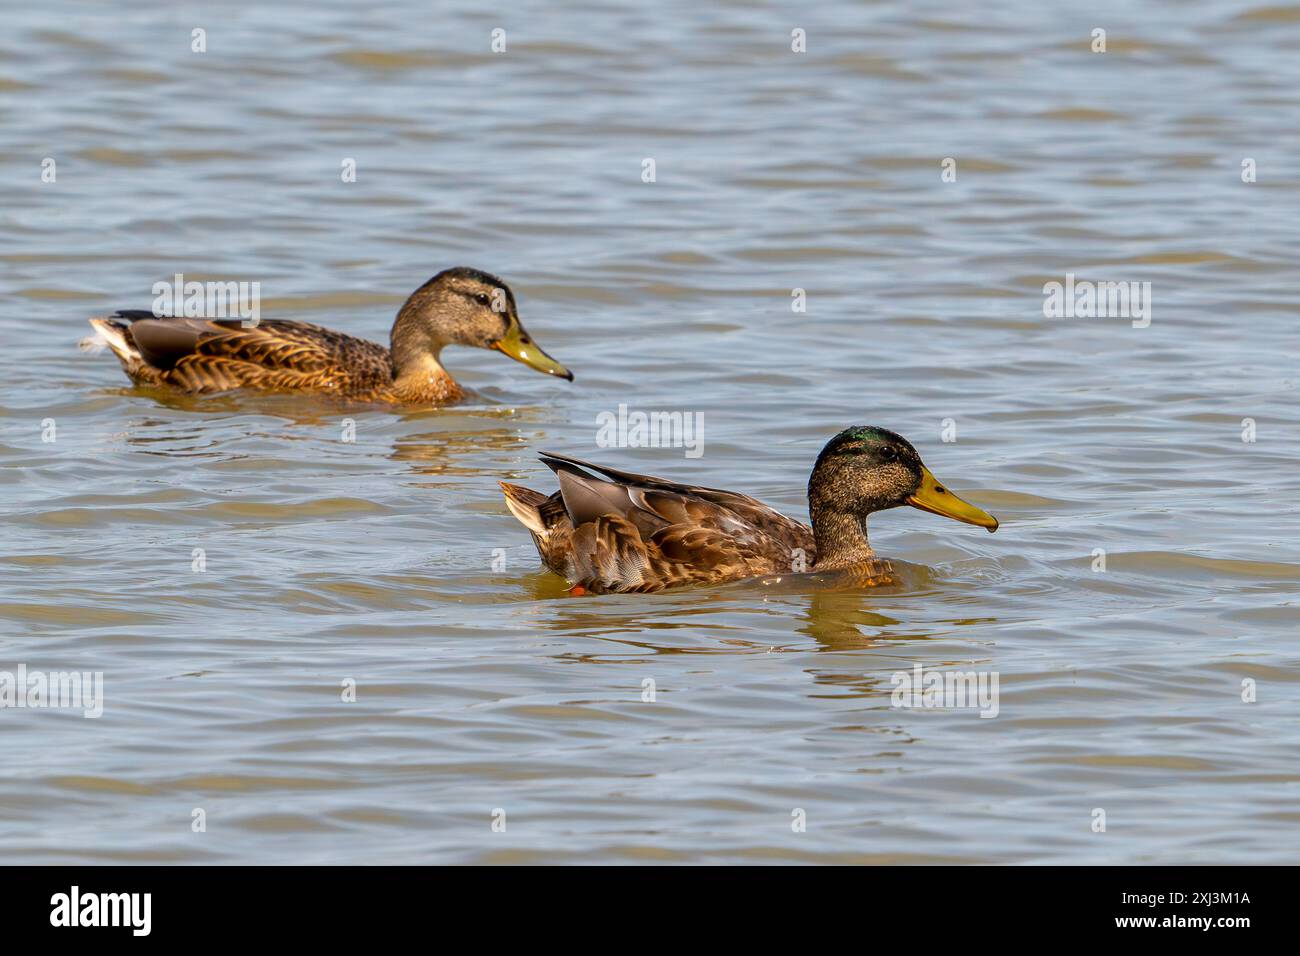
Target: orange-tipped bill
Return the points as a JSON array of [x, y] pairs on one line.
[[937, 499]]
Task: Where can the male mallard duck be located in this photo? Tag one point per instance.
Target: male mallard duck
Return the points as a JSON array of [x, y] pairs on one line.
[[456, 307], [626, 532]]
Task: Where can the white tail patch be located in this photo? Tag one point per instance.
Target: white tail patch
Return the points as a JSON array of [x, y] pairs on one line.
[[106, 336], [528, 515]]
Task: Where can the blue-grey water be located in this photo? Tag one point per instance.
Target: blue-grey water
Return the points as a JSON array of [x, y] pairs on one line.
[[233, 565]]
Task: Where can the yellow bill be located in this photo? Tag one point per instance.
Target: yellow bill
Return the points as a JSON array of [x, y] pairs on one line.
[[937, 499], [519, 345]]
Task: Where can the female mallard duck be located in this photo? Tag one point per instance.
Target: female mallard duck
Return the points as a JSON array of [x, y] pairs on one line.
[[627, 532], [456, 307]]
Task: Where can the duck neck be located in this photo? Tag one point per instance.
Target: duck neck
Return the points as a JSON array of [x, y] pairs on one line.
[[841, 537], [409, 346], [417, 372]]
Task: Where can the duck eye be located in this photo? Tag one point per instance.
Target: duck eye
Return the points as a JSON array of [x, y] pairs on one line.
[[482, 298]]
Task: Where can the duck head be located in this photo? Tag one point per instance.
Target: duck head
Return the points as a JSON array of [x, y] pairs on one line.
[[865, 469], [464, 306]]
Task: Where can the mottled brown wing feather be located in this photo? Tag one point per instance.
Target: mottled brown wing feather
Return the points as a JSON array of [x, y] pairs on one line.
[[697, 555], [622, 535], [607, 554], [215, 355], [753, 512]]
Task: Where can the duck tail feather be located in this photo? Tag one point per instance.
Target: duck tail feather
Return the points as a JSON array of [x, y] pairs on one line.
[[112, 335], [525, 504]]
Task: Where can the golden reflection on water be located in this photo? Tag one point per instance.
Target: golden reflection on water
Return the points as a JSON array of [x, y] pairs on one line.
[[840, 620], [444, 452]]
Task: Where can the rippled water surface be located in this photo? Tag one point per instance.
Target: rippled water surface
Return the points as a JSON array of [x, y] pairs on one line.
[[482, 688]]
